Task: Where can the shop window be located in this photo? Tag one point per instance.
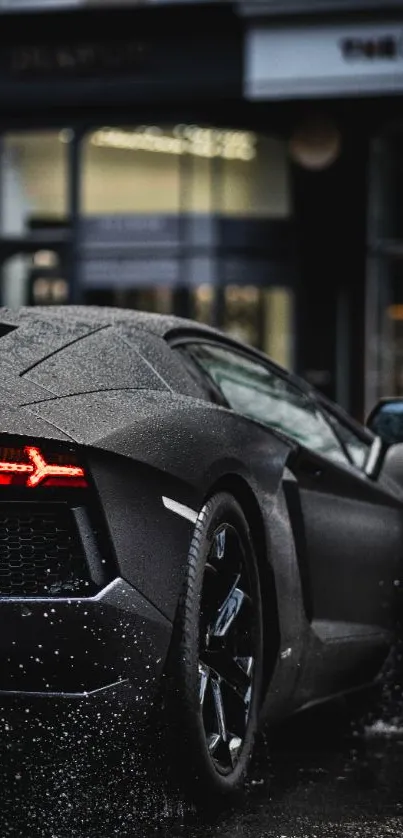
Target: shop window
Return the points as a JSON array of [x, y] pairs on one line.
[[242, 313], [158, 300], [262, 317], [33, 181], [15, 280], [49, 291], [177, 216], [121, 174], [184, 168], [203, 302], [260, 186], [38, 278], [278, 325]]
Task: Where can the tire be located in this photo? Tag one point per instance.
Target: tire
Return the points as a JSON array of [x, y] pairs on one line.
[[217, 654]]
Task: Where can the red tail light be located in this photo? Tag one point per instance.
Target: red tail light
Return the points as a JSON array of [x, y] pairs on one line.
[[30, 467]]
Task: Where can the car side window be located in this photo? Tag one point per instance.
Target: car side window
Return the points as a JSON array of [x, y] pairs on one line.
[[258, 392], [357, 447]]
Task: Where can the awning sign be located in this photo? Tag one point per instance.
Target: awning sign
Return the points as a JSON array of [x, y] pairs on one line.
[[301, 61]]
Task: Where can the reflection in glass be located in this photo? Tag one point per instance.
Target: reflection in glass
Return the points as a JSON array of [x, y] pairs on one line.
[[260, 393]]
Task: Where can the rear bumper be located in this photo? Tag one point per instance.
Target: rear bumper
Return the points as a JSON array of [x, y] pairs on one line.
[[104, 651], [72, 752]]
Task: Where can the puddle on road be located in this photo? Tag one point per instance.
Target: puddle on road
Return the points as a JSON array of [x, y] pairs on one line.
[[319, 776], [309, 782]]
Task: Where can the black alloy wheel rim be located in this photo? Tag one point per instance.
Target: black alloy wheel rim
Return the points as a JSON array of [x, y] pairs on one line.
[[227, 644]]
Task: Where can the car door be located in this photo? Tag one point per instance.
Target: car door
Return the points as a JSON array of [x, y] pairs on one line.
[[348, 529], [352, 541], [377, 514]]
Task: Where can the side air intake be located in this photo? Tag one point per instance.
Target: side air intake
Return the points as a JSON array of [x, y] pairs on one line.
[[41, 552]]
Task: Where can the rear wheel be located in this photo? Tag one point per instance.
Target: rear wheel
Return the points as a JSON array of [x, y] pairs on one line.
[[218, 652]]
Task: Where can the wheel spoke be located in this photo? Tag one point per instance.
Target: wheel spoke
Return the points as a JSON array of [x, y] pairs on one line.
[[204, 675], [219, 544], [228, 611], [247, 704], [234, 747], [217, 587], [226, 647], [246, 664], [229, 670], [213, 741], [219, 708]]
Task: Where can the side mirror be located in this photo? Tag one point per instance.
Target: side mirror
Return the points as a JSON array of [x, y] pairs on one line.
[[386, 420]]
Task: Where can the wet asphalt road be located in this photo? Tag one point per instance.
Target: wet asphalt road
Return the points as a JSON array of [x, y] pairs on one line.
[[323, 774], [324, 779]]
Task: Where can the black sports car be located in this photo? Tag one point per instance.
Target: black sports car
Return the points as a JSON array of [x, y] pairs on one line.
[[172, 502]]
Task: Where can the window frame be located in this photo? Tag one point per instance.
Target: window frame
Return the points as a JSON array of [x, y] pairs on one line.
[[250, 353], [360, 431], [255, 356], [208, 388]]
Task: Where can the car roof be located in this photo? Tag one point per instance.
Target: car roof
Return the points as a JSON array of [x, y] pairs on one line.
[[57, 351], [64, 325], [95, 316], [44, 331]]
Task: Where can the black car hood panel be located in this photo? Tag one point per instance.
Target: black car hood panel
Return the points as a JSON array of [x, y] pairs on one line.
[[21, 421], [107, 379], [181, 435]]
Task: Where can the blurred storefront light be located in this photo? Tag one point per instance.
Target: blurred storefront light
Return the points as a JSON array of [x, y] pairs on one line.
[[395, 312], [184, 139], [45, 259], [316, 143]]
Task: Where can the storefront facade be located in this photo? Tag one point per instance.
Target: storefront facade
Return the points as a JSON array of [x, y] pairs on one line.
[[202, 173], [342, 64]]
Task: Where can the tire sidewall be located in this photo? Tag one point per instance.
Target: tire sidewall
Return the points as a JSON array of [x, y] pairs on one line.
[[219, 509]]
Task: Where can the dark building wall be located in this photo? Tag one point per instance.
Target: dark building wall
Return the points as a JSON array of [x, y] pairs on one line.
[[330, 217], [116, 56], [276, 8]]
